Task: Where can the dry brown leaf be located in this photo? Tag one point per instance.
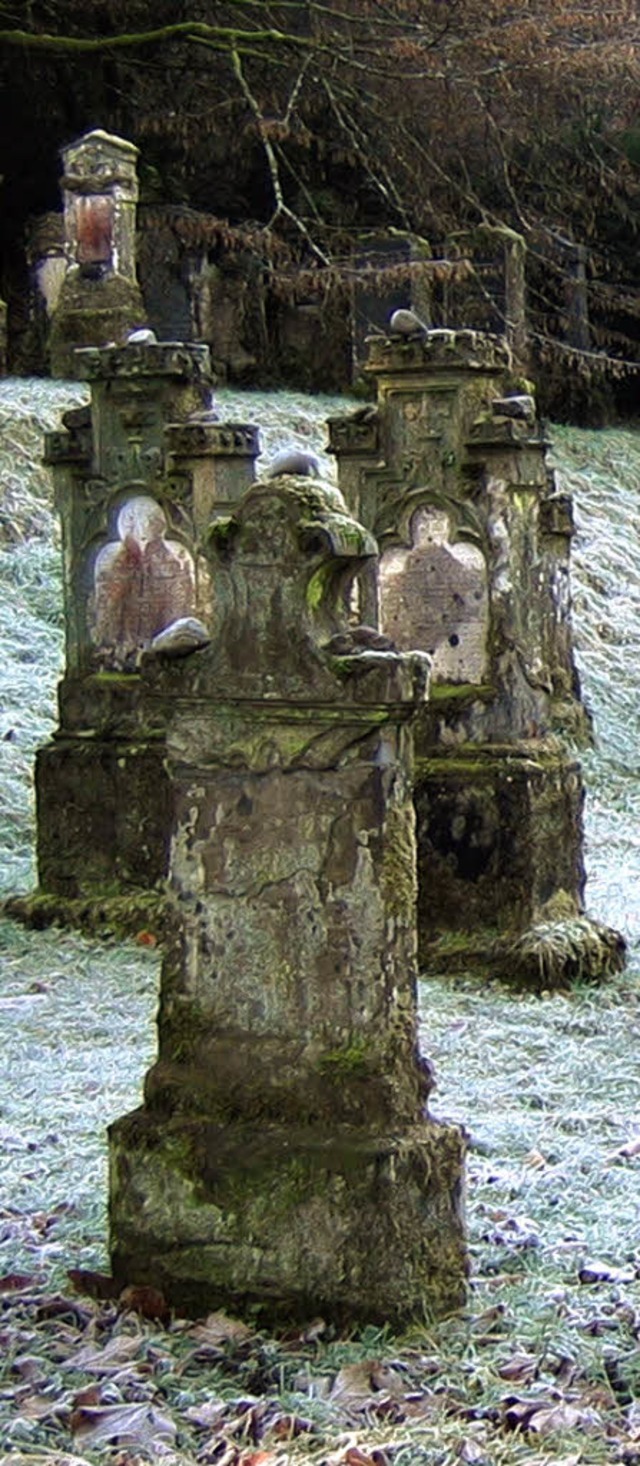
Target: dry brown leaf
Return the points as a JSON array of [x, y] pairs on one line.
[[91, 1395], [17, 1282], [52, 1458], [140, 1426], [521, 1367], [627, 1151], [40, 1407], [218, 1329], [207, 1415], [353, 1384], [605, 1272], [110, 1359], [563, 1416], [471, 1451], [148, 1302], [27, 1366], [288, 1427], [94, 1285], [258, 1458], [518, 1413], [535, 1160]]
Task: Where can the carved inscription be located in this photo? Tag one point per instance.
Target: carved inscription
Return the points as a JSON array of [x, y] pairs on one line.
[[434, 598]]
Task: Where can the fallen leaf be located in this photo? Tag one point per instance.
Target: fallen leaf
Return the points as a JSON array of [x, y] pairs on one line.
[[563, 1416], [520, 1367], [471, 1452], [207, 1415], [288, 1427], [258, 1458], [146, 939], [218, 1329], [535, 1160], [148, 1302], [109, 1360], [52, 1458], [27, 1366], [91, 1395], [41, 1407], [95, 1285], [605, 1272], [140, 1426], [18, 1282], [625, 1152]]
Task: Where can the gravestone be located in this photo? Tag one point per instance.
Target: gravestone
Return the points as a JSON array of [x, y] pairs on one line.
[[99, 300], [449, 471], [283, 1157], [139, 475]]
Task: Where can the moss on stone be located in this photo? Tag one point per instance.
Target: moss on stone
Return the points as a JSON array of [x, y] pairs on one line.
[[398, 863], [102, 914], [229, 1216], [354, 1059], [460, 692]]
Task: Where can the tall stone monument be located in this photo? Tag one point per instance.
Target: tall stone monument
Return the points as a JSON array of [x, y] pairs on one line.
[[139, 475], [449, 471], [283, 1156], [99, 300]]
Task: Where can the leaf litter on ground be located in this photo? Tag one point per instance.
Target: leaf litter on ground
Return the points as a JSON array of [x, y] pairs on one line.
[[544, 1363]]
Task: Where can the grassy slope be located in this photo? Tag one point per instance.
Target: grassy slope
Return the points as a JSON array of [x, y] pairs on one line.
[[543, 1365]]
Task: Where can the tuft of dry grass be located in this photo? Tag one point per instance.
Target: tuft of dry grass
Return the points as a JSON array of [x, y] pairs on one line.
[[556, 954]]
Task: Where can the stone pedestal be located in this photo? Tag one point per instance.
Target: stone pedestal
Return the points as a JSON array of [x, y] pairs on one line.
[[139, 477], [100, 299], [449, 472], [283, 1156]]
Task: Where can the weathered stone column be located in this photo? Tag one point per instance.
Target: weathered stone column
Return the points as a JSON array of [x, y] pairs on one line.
[[100, 299], [139, 476], [283, 1156]]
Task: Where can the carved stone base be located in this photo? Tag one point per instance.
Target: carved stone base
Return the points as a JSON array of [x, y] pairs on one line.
[[358, 1226], [92, 313], [499, 835], [104, 816]]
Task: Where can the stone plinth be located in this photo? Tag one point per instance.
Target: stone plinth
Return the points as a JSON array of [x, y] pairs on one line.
[[449, 471], [99, 300], [139, 477], [498, 839], [283, 1156]]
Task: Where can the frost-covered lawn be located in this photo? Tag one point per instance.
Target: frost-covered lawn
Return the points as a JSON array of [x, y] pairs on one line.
[[545, 1363]]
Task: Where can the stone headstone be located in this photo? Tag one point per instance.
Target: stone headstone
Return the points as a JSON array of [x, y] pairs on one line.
[[283, 1157], [99, 299], [449, 471], [139, 476]]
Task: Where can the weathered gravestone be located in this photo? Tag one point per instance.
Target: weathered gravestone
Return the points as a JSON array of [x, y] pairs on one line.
[[449, 472], [99, 298], [138, 477], [283, 1156]]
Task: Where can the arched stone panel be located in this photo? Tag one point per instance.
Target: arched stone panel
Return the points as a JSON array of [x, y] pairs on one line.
[[434, 597], [142, 581]]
